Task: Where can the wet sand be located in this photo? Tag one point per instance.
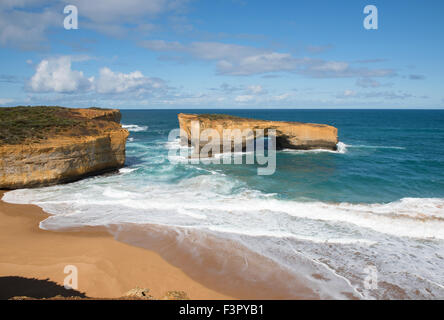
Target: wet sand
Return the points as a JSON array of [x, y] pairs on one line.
[[106, 268]]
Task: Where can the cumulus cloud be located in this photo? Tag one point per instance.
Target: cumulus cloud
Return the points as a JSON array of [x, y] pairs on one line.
[[56, 75], [239, 60], [116, 82]]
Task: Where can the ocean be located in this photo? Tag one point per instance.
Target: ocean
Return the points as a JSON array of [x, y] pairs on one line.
[[364, 222]]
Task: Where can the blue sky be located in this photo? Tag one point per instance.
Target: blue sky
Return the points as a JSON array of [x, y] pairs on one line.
[[222, 54]]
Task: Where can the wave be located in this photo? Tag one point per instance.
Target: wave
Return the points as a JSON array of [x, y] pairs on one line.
[[375, 147], [341, 149], [221, 199], [127, 170], [134, 127], [342, 237]]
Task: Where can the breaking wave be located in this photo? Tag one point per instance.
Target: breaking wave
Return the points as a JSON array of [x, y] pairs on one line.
[[134, 127]]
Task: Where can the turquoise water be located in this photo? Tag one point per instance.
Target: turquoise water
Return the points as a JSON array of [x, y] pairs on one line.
[[390, 154], [323, 217]]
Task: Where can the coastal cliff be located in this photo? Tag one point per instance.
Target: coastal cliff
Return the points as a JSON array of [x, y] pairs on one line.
[[290, 135], [41, 146]]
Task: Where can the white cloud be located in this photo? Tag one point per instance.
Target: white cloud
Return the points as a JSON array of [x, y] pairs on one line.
[[116, 82], [24, 24], [244, 98], [230, 59], [256, 89], [331, 66], [112, 17], [56, 75], [238, 60], [349, 93], [346, 94], [111, 11], [370, 96], [26, 29], [368, 83], [282, 97]]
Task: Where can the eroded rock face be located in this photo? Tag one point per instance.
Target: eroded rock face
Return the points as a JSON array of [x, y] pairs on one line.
[[67, 156], [291, 135]]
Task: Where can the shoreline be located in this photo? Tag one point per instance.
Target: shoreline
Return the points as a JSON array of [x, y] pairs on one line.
[[107, 268]]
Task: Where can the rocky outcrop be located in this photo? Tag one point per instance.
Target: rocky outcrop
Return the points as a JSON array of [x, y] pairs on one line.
[[291, 135], [94, 144]]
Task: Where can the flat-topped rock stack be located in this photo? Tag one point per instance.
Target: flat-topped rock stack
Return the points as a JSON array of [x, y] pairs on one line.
[[289, 135]]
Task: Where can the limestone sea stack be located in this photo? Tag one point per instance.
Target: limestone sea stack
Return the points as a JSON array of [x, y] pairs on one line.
[[41, 146], [289, 135]]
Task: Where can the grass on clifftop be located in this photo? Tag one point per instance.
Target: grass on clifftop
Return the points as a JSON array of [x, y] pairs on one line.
[[32, 124], [216, 116]]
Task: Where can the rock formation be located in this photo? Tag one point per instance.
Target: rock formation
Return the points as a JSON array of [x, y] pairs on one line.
[[74, 144], [290, 135]]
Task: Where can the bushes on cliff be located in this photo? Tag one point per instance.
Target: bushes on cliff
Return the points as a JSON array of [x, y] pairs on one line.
[[19, 124]]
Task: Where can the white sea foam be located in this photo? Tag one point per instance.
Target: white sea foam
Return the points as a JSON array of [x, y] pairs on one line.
[[341, 149], [134, 127], [342, 237], [376, 147], [213, 195], [127, 170], [271, 227]]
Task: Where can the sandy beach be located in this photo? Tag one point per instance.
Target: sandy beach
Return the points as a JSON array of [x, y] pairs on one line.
[[106, 268]]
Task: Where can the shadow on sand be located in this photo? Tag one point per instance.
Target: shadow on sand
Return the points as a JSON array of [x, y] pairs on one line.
[[34, 288]]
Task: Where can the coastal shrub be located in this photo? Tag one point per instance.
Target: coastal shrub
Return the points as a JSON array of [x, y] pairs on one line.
[[33, 124]]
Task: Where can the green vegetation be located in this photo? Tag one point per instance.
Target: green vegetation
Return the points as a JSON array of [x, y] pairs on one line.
[[19, 124]]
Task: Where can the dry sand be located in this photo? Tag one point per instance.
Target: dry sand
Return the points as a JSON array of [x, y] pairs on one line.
[[106, 268]]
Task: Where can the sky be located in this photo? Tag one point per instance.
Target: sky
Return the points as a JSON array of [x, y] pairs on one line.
[[172, 54]]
